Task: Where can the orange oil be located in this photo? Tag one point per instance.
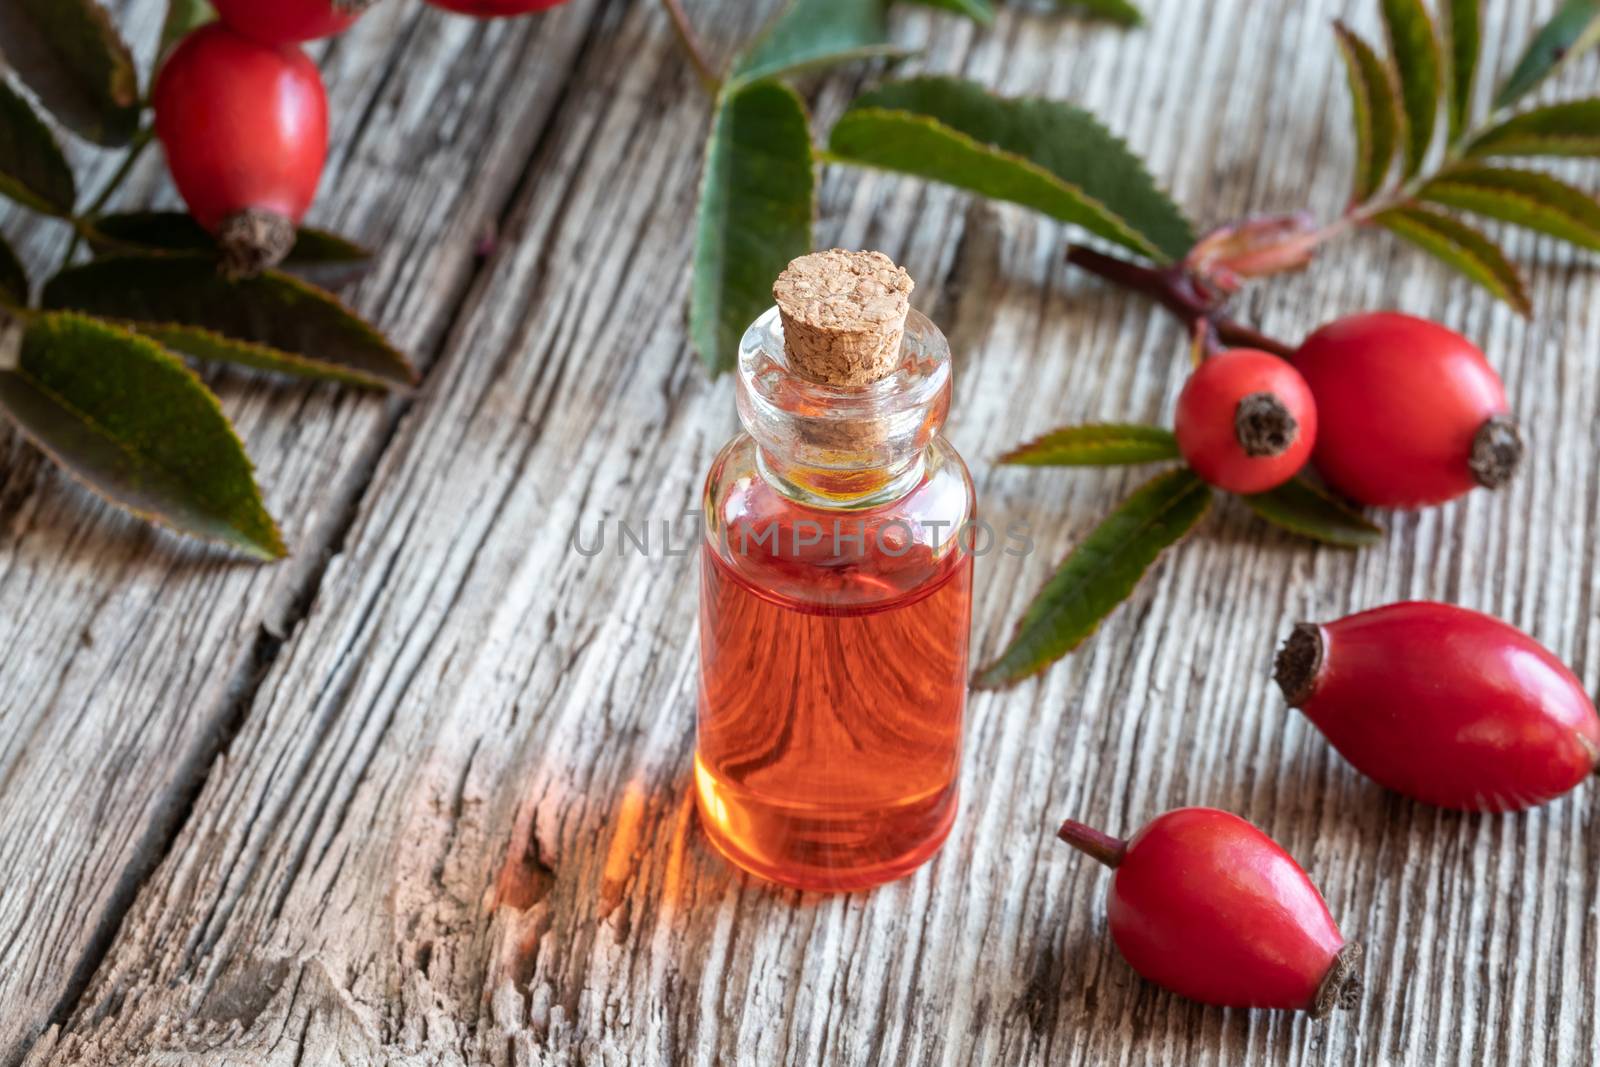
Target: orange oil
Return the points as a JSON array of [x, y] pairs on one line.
[[830, 726]]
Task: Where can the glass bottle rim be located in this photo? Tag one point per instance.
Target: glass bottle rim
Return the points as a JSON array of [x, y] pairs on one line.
[[771, 383]]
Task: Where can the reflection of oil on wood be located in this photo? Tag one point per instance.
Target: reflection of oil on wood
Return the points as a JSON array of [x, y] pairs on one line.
[[419, 795]]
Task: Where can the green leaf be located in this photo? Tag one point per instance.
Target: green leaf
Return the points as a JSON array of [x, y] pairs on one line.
[[271, 309], [1100, 573], [1046, 155], [136, 425], [1522, 198], [1464, 44], [1306, 508], [814, 33], [1574, 30], [754, 214], [213, 347], [1569, 129], [1096, 445], [13, 278], [313, 247], [33, 172], [981, 11], [1460, 246], [1416, 56], [70, 54], [1375, 110], [1119, 11], [182, 17], [316, 254]]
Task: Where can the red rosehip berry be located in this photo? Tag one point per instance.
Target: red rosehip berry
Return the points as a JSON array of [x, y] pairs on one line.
[[1204, 904], [245, 127], [289, 21], [1246, 421], [493, 9], [1412, 413], [1449, 706]]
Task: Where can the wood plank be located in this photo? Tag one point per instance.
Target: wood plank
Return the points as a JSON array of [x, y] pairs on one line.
[[126, 651], [453, 826]]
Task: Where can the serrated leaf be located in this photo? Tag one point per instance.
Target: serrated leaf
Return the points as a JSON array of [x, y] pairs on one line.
[[1416, 55], [13, 278], [70, 54], [213, 347], [1523, 198], [182, 17], [1096, 445], [1574, 30], [1569, 129], [1305, 508], [754, 214], [33, 172], [814, 33], [980, 11], [1100, 574], [1119, 11], [136, 425], [270, 309], [314, 247], [1043, 154], [1460, 246], [1374, 108], [1464, 44], [323, 257]]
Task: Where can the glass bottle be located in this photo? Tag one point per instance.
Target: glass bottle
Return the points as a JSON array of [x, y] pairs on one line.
[[836, 593]]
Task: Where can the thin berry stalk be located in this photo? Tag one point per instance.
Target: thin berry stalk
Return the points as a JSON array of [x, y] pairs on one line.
[[684, 31], [1091, 842], [1174, 289]]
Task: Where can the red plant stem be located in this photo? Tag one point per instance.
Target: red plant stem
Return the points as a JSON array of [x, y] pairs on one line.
[[1091, 842], [1238, 335], [1176, 291], [1153, 283], [691, 46]]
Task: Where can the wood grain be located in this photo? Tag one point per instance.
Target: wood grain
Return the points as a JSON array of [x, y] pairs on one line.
[[444, 819], [128, 656]]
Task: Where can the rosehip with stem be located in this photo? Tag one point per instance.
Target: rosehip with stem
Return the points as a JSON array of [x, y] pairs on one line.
[[1448, 706], [289, 21], [245, 127], [493, 9], [1246, 421], [1412, 413], [1204, 904]]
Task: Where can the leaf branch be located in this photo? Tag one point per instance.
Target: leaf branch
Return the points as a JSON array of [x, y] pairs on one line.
[[82, 223], [1433, 66], [690, 43], [136, 147], [1177, 290]]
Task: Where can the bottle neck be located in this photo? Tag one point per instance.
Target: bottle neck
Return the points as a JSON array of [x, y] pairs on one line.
[[844, 489], [828, 446]]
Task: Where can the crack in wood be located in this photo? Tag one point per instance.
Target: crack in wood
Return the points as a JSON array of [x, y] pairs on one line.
[[464, 704], [190, 781]]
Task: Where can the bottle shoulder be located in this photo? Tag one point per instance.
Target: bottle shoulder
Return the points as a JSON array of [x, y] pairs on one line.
[[838, 557]]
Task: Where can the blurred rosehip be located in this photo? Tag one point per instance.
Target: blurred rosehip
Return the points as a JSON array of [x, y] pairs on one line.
[[245, 127], [493, 9], [289, 21]]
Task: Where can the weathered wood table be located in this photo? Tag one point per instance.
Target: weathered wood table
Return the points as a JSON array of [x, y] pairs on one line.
[[419, 795]]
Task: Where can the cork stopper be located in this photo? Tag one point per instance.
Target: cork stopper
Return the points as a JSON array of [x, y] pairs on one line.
[[844, 315]]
